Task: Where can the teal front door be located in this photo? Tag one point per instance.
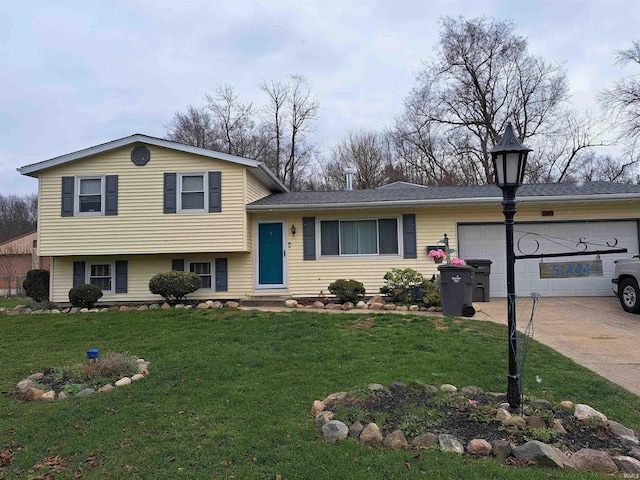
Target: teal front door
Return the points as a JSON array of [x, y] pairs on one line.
[[270, 255]]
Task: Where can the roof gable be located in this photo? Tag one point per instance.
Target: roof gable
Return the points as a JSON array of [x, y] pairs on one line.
[[258, 168]]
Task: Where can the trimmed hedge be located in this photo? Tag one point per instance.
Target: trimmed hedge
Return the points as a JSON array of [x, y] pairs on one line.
[[174, 286], [36, 285], [85, 295], [347, 290]]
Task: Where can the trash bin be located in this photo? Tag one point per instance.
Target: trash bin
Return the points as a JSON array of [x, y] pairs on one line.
[[456, 286], [482, 290]]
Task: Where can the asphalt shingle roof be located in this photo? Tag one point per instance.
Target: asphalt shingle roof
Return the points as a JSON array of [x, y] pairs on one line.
[[404, 192]]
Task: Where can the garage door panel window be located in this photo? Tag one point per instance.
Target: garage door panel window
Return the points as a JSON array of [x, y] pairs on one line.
[[359, 237]]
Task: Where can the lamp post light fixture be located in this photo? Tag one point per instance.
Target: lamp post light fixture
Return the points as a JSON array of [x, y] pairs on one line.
[[509, 158]]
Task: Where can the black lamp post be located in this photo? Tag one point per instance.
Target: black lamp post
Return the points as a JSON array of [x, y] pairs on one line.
[[509, 160]]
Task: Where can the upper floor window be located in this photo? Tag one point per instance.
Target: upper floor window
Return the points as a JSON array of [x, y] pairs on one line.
[[193, 187], [359, 237], [90, 196]]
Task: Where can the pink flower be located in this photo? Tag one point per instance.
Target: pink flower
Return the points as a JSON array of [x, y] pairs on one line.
[[473, 403], [439, 253], [456, 261]]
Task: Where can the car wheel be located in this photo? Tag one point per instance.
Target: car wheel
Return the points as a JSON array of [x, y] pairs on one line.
[[630, 295]]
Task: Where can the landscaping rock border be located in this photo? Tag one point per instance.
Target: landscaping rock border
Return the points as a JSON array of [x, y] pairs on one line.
[[209, 304], [27, 389], [374, 303], [529, 453]]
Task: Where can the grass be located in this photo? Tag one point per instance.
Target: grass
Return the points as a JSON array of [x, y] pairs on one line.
[[229, 393], [10, 303]]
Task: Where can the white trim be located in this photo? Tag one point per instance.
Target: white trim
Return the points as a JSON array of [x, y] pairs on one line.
[[377, 218], [205, 193], [76, 195], [256, 257], [112, 271]]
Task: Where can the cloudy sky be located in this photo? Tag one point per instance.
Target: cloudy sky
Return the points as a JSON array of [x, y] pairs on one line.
[[74, 74]]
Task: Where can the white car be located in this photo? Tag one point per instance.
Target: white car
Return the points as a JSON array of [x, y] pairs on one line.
[[626, 276]]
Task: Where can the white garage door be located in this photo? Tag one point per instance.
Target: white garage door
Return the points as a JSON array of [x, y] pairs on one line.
[[488, 241]]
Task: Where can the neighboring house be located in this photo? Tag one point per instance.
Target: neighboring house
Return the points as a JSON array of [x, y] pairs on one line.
[[17, 257], [120, 212]]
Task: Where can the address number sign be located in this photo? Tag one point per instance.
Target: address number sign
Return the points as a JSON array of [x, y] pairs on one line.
[[592, 268]]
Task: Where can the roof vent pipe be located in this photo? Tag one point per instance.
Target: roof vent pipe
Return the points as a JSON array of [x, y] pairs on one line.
[[349, 171]]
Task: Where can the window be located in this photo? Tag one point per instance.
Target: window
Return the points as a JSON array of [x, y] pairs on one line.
[[100, 275], [192, 192], [90, 199], [359, 237], [203, 269]]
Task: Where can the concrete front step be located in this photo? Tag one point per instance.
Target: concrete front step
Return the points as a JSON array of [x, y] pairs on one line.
[[263, 301]]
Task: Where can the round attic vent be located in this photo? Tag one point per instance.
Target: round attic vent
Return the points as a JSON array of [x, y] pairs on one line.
[[140, 155]]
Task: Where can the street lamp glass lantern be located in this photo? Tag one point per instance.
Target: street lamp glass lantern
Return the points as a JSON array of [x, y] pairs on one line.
[[509, 159]]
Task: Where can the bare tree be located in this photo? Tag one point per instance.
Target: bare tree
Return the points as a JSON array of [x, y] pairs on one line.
[[623, 99], [193, 127], [18, 215], [11, 259], [481, 78]]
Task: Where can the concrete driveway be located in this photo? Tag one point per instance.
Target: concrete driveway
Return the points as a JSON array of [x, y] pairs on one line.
[[592, 331]]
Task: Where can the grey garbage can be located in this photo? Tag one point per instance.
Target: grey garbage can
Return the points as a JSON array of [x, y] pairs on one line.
[[482, 289], [456, 286]]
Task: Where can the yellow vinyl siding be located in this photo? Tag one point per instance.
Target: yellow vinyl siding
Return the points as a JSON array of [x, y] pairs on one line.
[[255, 189], [141, 226], [142, 267]]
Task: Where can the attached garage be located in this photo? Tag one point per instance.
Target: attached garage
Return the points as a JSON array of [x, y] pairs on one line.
[[487, 240]]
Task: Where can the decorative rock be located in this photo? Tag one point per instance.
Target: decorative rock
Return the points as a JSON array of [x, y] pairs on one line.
[[566, 461], [515, 421], [55, 311], [449, 443], [94, 310], [179, 305], [333, 306], [154, 306], [620, 431], [27, 311], [594, 461], [539, 403], [317, 407], [50, 395], [635, 452], [188, 307], [32, 394], [24, 385], [371, 435], [231, 304], [388, 306], [430, 389], [84, 310], [628, 466], [376, 306], [355, 429], [74, 310], [534, 421], [323, 418], [397, 387], [402, 308], [36, 376], [3, 311], [375, 299], [106, 388], [448, 388], [375, 387], [290, 303], [425, 440], [165, 306], [395, 440], [123, 381], [335, 430], [136, 377], [318, 304], [502, 449], [361, 305], [114, 308], [540, 453], [559, 427], [202, 306], [584, 412], [143, 369], [479, 446], [85, 392], [62, 396], [347, 306], [333, 398], [414, 308], [102, 310], [470, 390]]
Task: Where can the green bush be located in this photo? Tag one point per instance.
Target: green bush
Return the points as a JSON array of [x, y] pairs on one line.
[[36, 285], [402, 285], [174, 286], [84, 295], [347, 290]]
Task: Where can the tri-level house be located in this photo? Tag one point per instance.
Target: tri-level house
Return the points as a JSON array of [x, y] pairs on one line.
[[117, 213]]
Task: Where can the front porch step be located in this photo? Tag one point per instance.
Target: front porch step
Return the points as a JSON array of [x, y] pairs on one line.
[[263, 301]]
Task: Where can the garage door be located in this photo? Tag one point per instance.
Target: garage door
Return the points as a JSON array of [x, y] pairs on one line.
[[488, 241]]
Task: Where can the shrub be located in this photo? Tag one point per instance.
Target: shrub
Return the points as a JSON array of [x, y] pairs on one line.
[[347, 290], [401, 285], [174, 286], [84, 295], [36, 285]]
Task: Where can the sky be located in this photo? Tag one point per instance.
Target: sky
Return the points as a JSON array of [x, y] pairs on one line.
[[74, 74]]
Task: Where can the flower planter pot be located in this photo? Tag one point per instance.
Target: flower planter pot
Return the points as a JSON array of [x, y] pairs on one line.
[[438, 259]]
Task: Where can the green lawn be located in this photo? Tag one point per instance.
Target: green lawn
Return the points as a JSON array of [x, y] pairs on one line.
[[229, 393]]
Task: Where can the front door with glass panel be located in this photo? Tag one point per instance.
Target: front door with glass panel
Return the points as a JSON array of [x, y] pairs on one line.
[[271, 255]]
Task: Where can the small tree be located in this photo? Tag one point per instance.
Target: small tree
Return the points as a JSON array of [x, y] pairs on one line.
[[174, 286], [84, 295], [36, 285], [347, 290]]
